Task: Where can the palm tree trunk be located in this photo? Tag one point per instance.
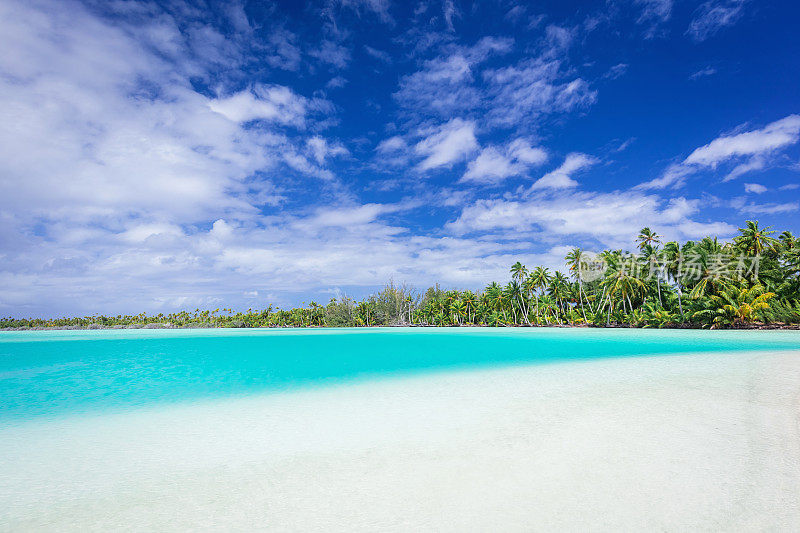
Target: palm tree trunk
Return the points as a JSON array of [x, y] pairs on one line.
[[580, 299]]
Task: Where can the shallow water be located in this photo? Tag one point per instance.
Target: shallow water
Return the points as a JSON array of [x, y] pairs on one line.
[[56, 373], [436, 429]]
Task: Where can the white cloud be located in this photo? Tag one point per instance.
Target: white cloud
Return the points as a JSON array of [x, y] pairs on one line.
[[320, 149], [703, 73], [301, 164], [450, 12], [521, 150], [776, 135], [85, 136], [444, 86], [756, 146], [393, 152], [714, 15], [392, 144], [756, 188], [332, 53], [344, 217], [137, 233], [337, 82], [378, 54], [494, 164], [458, 81], [271, 103], [755, 163], [768, 209], [561, 178], [447, 144], [378, 7], [126, 188], [616, 71], [624, 145], [524, 92], [491, 166], [654, 13], [283, 51], [610, 218], [674, 176]]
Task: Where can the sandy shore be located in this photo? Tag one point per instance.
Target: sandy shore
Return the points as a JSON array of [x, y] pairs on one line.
[[673, 443]]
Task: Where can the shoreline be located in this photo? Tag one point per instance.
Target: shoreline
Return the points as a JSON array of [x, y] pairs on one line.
[[696, 442], [755, 326]]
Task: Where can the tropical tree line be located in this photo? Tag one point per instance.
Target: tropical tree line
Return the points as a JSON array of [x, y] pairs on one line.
[[751, 280]]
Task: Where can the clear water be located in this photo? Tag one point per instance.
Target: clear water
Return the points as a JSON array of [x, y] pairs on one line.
[[53, 373]]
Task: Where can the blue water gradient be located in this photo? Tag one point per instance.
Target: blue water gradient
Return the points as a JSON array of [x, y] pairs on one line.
[[52, 373]]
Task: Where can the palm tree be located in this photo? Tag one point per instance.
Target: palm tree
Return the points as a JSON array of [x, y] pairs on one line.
[[648, 237], [737, 306], [540, 277], [469, 300], [755, 240], [458, 310], [708, 271], [673, 264], [651, 256], [513, 293], [495, 295], [573, 259], [518, 272], [788, 241], [557, 289], [621, 282]]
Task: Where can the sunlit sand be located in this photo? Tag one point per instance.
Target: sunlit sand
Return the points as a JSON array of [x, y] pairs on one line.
[[673, 443]]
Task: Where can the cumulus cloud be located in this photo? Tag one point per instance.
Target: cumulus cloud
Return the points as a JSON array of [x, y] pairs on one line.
[[87, 136], [108, 149], [393, 152], [156, 159], [495, 164], [392, 144], [447, 144], [756, 188], [610, 218], [271, 103], [561, 178], [320, 149]]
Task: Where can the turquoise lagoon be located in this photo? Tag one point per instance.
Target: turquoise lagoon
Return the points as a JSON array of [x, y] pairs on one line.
[[60, 373]]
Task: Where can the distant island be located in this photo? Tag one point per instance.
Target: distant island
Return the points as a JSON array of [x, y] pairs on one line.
[[752, 281]]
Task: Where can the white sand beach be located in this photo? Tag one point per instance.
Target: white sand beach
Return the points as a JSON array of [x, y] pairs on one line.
[[672, 443]]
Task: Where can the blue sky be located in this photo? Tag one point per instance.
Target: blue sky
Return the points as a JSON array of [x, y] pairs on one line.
[[166, 155]]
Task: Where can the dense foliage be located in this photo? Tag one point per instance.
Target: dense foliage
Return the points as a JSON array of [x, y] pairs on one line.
[[753, 279]]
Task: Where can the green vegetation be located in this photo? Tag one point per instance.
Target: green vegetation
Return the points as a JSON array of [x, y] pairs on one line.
[[755, 279]]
